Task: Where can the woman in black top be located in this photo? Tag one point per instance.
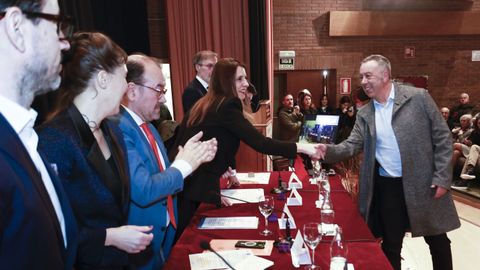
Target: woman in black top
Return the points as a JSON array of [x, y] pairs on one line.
[[90, 155], [219, 115]]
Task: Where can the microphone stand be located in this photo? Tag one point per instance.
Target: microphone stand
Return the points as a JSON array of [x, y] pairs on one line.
[[206, 246]]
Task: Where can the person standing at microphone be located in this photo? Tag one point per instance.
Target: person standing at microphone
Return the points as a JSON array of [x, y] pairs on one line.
[[219, 115]]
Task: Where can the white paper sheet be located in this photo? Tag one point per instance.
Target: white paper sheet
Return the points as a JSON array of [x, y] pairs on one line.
[[208, 260], [239, 259], [254, 178], [252, 195], [229, 223]]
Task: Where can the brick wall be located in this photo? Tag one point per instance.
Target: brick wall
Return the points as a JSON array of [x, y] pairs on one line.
[[302, 26]]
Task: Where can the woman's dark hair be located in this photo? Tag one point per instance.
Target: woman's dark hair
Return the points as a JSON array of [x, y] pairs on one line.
[[221, 87], [345, 99], [24, 5], [89, 53]]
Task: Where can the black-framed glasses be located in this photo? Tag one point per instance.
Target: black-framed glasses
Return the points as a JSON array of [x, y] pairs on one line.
[[161, 90], [64, 23]]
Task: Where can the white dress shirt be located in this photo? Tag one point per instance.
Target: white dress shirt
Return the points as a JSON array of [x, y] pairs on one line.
[[22, 121], [387, 152], [204, 83]]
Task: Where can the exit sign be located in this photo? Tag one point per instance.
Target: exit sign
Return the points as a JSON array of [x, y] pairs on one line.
[[287, 63]]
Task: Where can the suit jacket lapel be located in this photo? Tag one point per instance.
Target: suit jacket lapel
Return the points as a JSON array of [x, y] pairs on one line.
[[369, 116], [95, 156], [400, 99], [200, 87], [13, 146], [120, 161], [70, 224], [145, 146], [161, 146]]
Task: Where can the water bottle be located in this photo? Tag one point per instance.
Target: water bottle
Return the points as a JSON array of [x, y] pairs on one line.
[[338, 251]]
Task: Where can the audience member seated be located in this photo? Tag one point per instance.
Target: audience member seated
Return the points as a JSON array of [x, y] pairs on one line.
[[459, 134], [306, 104], [464, 107], [89, 155], [446, 115], [324, 107], [347, 118], [468, 168], [289, 120]]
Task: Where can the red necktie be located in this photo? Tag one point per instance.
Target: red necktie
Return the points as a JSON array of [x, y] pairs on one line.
[[153, 144]]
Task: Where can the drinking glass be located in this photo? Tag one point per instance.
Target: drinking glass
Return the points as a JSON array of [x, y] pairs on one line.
[[316, 167], [312, 236], [266, 208], [327, 218]]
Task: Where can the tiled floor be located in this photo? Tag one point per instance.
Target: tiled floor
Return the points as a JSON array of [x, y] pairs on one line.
[[465, 244]]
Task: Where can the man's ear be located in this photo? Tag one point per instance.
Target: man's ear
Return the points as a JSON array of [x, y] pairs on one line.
[[197, 68], [132, 91], [14, 27]]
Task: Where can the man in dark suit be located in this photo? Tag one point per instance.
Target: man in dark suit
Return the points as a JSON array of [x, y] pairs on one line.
[[37, 227], [203, 62], [154, 181]]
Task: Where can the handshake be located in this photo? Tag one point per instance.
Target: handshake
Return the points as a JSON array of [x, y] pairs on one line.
[[315, 151]]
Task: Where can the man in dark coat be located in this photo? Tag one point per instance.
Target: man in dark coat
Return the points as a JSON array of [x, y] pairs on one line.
[[406, 172], [203, 62], [464, 107]]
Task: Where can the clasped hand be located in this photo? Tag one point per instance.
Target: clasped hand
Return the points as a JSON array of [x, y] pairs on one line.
[[196, 152], [315, 151]]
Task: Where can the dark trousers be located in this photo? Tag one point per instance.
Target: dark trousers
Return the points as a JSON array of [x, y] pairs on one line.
[[393, 222], [186, 210]]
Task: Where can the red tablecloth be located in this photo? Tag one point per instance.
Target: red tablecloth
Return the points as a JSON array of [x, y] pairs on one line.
[[364, 250]]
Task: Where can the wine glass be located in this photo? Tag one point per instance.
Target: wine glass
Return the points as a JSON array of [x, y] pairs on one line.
[[312, 236], [266, 208]]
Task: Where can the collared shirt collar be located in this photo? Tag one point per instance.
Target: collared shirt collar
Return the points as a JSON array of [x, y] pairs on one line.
[[17, 116], [134, 115], [390, 98], [204, 83]]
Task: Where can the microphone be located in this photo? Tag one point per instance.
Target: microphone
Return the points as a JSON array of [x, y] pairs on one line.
[[288, 236], [206, 246], [281, 186]]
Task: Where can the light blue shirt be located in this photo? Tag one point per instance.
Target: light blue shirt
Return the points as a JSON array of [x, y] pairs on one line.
[[387, 152]]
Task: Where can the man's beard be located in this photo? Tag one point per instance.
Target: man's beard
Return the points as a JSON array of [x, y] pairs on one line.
[[34, 81]]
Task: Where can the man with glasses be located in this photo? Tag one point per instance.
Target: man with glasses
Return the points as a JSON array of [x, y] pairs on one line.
[[154, 181], [406, 170], [37, 226], [203, 62]]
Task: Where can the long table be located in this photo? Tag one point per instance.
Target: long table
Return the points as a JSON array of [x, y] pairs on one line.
[[364, 251]]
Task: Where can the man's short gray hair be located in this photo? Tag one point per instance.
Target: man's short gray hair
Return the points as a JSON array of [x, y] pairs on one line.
[[381, 61]]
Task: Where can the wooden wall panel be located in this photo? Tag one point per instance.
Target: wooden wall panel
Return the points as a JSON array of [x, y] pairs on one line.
[[377, 23]]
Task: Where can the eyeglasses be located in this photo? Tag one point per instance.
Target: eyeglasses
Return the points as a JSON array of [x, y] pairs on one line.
[[64, 23], [209, 66], [161, 90]]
